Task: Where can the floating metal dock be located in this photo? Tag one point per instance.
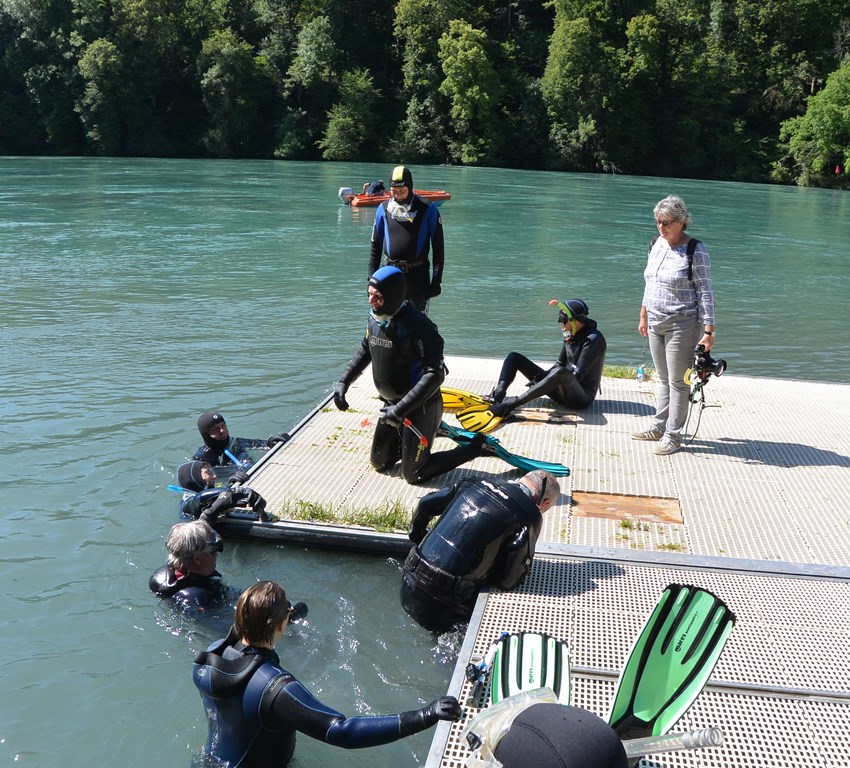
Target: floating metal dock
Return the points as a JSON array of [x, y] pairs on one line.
[[755, 509]]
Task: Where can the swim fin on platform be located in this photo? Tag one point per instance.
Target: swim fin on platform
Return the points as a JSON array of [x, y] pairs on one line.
[[670, 662], [455, 399], [479, 418], [463, 437], [527, 661]]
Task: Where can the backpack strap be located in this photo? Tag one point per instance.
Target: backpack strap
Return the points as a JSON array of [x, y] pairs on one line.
[[692, 246]]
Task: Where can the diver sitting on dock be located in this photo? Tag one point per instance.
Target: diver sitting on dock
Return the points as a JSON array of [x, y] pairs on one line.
[[573, 380], [406, 353], [201, 499], [218, 443], [486, 535], [255, 707]]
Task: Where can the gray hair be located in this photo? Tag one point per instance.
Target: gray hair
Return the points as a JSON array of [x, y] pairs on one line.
[[544, 486], [673, 207], [185, 540]]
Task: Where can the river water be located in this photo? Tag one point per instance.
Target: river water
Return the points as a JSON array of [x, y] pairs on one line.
[[139, 293]]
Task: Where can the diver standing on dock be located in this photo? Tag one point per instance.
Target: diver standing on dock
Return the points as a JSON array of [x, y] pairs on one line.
[[406, 228], [255, 707], [486, 534], [406, 353]]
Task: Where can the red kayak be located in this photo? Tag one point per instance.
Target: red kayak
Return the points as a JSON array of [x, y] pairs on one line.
[[363, 201]]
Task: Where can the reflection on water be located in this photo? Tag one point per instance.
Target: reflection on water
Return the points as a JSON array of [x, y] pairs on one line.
[[139, 293]]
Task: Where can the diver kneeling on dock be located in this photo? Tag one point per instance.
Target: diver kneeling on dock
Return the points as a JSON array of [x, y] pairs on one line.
[[406, 353], [486, 535], [255, 707]]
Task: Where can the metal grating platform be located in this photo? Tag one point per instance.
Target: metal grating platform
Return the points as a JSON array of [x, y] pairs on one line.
[[780, 693]]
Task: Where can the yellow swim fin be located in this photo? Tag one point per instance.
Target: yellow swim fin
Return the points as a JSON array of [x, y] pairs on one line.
[[455, 399], [479, 418]]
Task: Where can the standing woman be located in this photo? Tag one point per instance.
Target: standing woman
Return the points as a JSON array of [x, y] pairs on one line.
[[677, 314]]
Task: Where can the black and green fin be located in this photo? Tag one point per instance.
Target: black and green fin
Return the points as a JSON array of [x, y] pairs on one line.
[[671, 661], [526, 661], [479, 418], [456, 399]]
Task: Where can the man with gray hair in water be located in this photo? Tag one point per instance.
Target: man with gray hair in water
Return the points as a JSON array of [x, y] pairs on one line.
[[485, 536]]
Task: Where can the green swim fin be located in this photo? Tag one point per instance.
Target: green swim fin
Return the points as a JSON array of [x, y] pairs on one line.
[[671, 661], [455, 399], [527, 661], [479, 418]]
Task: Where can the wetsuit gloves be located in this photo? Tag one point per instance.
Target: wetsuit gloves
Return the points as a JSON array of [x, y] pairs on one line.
[[444, 708], [339, 396]]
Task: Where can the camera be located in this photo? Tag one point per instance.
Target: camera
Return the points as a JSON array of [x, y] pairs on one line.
[[705, 365]]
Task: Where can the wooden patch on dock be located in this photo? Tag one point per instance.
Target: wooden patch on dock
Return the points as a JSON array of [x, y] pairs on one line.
[[616, 506]]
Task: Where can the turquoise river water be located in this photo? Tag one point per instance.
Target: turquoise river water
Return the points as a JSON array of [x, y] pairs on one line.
[[139, 293]]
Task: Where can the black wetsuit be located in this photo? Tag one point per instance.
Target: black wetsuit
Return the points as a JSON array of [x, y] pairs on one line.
[[406, 244], [238, 446], [406, 355], [191, 592], [486, 535], [255, 707], [211, 502], [573, 381]]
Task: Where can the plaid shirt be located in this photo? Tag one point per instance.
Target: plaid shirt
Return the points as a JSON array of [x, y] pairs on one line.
[[668, 290]]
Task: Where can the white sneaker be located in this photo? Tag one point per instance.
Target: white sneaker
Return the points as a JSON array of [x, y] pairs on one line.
[[667, 445]]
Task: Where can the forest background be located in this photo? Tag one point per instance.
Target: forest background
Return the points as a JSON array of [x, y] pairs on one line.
[[744, 90]]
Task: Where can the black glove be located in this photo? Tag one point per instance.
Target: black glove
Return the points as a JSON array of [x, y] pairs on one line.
[[339, 396], [390, 415], [444, 708], [221, 504], [435, 289], [416, 534], [248, 497], [280, 437], [237, 478]]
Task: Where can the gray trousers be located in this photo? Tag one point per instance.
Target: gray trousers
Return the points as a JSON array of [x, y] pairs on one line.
[[671, 344]]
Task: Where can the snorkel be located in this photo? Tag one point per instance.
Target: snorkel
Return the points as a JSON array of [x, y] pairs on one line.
[[568, 316]]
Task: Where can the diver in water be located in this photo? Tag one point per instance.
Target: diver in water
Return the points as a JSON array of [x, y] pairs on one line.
[[573, 381], [217, 440], [486, 535], [406, 228], [255, 707], [202, 500], [190, 577], [373, 187], [406, 354]]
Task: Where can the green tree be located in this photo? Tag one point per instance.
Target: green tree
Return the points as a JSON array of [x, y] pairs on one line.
[[99, 105], [353, 122], [818, 142], [472, 86], [237, 93]]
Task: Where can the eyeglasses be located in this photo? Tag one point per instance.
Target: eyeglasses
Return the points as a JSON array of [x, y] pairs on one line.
[[660, 223], [216, 545], [285, 617]]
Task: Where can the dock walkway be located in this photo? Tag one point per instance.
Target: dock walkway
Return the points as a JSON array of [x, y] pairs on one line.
[[754, 508]]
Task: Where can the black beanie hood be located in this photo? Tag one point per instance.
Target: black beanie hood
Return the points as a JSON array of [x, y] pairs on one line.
[[190, 477], [206, 421]]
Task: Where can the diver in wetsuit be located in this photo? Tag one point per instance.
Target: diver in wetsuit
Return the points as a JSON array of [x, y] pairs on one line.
[[255, 707], [406, 227], [406, 353], [217, 440], [373, 187], [190, 578], [485, 535], [574, 380], [201, 499]]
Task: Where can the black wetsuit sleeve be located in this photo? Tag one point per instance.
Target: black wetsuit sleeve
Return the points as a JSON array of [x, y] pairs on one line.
[[514, 562], [430, 346], [438, 251], [589, 356], [358, 363], [376, 247], [430, 506], [292, 705]]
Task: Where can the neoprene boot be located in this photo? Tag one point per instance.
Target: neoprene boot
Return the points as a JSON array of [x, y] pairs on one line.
[[499, 391], [503, 408]]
